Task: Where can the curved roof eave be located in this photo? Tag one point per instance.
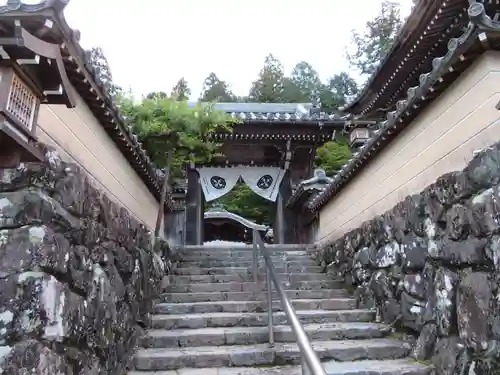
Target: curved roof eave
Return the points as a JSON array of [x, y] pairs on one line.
[[414, 21]]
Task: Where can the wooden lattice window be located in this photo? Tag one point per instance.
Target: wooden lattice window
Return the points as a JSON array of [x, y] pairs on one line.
[[22, 103]]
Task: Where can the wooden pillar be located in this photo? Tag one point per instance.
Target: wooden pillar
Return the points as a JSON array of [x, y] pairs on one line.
[[175, 227], [278, 221], [308, 224], [285, 219], [313, 230], [195, 204], [164, 191]]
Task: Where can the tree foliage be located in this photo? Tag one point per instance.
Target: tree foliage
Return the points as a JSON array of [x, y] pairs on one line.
[[100, 64], [268, 88], [157, 95], [373, 44], [338, 91], [332, 155], [244, 202], [304, 84], [181, 90], [192, 124], [216, 90]]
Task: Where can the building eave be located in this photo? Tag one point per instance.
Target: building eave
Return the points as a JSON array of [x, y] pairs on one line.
[[462, 52], [300, 197], [88, 85], [424, 35]]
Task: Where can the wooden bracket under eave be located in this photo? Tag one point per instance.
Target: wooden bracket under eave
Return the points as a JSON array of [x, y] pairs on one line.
[[50, 51]]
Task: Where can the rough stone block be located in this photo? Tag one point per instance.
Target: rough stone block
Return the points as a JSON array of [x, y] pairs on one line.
[[78, 275], [434, 259]]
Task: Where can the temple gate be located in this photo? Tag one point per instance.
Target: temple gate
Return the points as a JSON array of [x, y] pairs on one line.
[[272, 149]]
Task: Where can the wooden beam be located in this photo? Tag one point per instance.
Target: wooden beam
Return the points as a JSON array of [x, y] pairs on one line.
[[161, 209]]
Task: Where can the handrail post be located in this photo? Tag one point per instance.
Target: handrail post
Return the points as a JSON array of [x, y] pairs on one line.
[[254, 256], [270, 322], [304, 366]]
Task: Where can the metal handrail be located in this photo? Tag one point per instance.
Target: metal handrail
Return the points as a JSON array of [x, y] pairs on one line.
[[310, 362]]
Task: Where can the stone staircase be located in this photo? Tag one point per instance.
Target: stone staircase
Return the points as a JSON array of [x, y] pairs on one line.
[[213, 321]]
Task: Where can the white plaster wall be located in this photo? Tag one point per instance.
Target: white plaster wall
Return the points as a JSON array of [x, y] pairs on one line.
[[440, 140], [79, 137]]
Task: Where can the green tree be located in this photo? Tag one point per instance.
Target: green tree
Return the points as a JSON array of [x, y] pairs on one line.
[[216, 90], [157, 95], [372, 45], [244, 202], [338, 91], [332, 155], [193, 126], [181, 90], [303, 85], [291, 93], [100, 64], [268, 88], [242, 99]]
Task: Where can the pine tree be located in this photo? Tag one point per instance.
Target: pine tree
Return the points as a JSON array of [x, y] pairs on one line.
[[304, 84], [339, 90], [181, 90], [375, 42], [156, 95], [216, 90], [268, 88]]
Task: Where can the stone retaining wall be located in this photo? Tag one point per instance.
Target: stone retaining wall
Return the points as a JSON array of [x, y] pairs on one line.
[[77, 274], [431, 266]]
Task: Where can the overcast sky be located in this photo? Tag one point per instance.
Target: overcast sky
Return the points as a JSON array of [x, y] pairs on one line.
[[150, 44]]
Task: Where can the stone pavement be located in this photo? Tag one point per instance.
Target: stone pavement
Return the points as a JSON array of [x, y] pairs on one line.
[[213, 321]]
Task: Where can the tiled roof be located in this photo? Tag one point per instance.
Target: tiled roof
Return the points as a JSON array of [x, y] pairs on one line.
[[308, 189], [461, 53], [423, 36], [276, 112]]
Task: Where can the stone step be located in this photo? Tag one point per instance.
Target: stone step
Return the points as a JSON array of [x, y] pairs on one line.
[[251, 296], [250, 286], [226, 319], [247, 257], [290, 277], [247, 261], [373, 367], [262, 354], [271, 248], [242, 270], [246, 254], [257, 335], [252, 306], [209, 263]]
